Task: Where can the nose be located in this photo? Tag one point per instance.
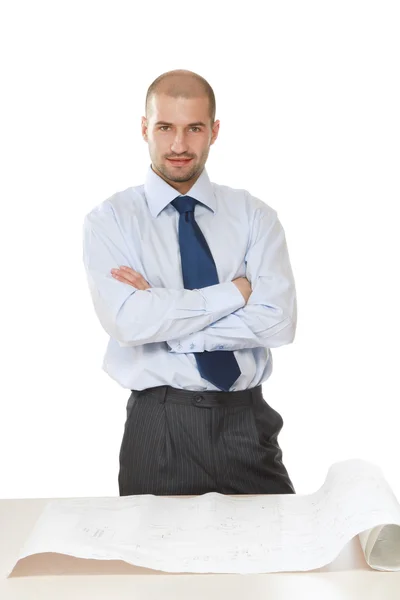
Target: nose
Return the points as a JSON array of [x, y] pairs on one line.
[[179, 145]]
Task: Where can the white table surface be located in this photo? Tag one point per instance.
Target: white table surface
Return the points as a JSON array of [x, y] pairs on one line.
[[57, 577]]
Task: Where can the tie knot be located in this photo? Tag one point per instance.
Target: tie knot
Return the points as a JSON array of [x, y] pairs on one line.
[[184, 204]]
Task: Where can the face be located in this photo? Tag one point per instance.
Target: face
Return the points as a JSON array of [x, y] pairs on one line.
[[173, 130]]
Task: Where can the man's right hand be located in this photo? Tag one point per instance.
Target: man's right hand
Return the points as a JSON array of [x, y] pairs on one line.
[[243, 286]]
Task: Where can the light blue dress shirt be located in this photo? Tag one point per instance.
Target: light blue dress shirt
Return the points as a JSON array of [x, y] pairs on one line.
[[154, 332]]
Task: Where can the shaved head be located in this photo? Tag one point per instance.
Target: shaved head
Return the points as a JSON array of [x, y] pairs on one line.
[[181, 83], [179, 126]]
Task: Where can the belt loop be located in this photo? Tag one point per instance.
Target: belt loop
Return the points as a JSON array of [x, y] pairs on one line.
[[255, 394], [163, 394]]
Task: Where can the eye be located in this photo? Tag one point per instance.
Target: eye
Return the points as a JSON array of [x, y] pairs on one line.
[[162, 127]]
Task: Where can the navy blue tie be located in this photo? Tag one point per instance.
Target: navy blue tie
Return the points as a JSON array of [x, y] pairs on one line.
[[198, 269]]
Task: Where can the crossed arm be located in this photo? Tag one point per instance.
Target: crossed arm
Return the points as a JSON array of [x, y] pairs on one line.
[[211, 318]]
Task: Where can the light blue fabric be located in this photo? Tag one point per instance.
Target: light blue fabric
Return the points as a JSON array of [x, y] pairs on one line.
[[153, 333]]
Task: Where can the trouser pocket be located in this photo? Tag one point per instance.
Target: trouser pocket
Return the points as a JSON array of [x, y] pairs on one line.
[[267, 422]]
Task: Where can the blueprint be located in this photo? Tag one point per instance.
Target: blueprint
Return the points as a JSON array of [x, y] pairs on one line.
[[216, 533]]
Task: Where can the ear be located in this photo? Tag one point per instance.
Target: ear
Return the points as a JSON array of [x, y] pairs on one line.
[[215, 131], [144, 127]]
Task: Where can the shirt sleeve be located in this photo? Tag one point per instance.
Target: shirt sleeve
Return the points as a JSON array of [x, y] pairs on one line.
[[132, 316], [269, 318]]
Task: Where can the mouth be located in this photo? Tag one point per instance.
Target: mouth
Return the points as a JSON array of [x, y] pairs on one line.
[[180, 162]]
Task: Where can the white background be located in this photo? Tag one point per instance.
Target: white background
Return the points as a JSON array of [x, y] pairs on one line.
[[308, 98]]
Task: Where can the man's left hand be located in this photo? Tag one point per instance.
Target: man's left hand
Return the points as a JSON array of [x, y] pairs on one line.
[[133, 278]]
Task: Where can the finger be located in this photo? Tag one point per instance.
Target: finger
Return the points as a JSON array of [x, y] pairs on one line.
[[124, 275], [136, 282], [130, 276], [124, 270], [122, 279], [137, 277], [127, 269]]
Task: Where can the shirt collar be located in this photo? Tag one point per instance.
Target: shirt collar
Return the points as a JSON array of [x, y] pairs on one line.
[[159, 193]]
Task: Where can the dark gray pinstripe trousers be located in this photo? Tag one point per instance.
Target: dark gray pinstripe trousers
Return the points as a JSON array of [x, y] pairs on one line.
[[184, 442]]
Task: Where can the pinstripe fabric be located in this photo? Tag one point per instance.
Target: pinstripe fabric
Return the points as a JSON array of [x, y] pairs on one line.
[[184, 442]]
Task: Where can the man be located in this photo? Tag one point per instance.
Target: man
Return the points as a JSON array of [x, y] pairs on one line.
[[192, 282]]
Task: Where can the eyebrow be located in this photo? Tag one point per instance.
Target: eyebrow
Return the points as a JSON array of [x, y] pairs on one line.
[[199, 123]]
